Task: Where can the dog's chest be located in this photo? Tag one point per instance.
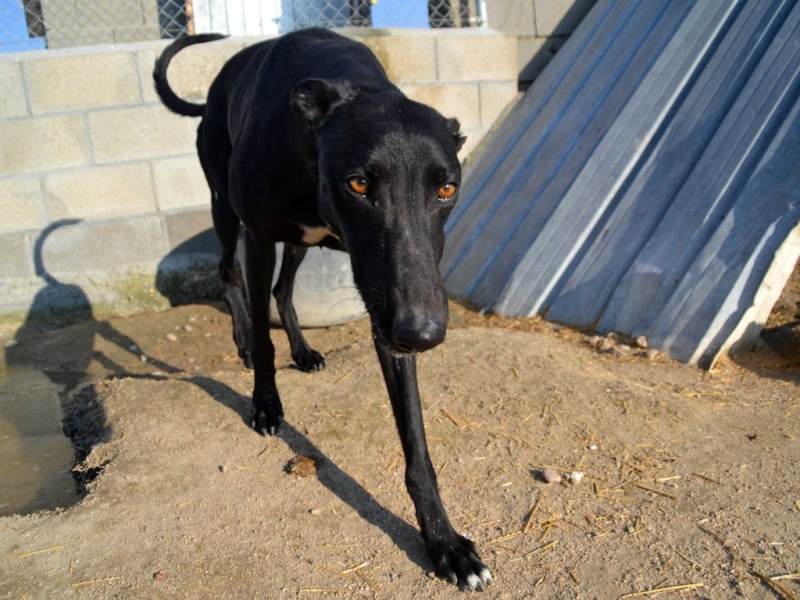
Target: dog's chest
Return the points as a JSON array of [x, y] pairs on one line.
[[313, 236]]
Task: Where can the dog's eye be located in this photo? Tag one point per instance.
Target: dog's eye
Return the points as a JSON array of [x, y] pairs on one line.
[[359, 185], [447, 191]]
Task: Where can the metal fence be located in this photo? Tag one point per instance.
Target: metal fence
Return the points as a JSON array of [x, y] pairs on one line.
[[35, 24]]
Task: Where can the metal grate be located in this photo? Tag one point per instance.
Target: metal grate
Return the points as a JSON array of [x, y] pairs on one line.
[[36, 24]]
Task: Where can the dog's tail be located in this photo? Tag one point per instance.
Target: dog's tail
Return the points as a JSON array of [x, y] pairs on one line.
[[170, 99]]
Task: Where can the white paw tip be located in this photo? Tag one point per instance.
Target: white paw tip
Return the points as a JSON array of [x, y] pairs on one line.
[[486, 576], [473, 581]]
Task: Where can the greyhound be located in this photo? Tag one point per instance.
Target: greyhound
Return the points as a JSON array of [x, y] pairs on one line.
[[305, 141]]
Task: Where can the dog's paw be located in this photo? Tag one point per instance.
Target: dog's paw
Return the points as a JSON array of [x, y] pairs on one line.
[[309, 361], [246, 357], [458, 562], [267, 414]]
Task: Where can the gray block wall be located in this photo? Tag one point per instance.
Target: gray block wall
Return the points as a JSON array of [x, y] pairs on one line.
[[102, 199], [541, 28]]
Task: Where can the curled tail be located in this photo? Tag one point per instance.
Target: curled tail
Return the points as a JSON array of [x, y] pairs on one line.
[[168, 97]]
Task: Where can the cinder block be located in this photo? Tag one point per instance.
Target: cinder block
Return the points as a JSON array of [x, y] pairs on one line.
[[17, 262], [105, 245], [474, 139], [193, 70], [191, 232], [100, 192], [560, 17], [460, 100], [512, 16], [535, 54], [479, 55], [79, 82], [21, 205], [124, 35], [146, 57], [12, 99], [141, 132], [406, 57], [30, 145], [495, 97], [180, 183]]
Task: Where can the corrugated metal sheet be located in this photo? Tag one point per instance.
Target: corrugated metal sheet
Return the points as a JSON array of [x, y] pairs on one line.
[[649, 182]]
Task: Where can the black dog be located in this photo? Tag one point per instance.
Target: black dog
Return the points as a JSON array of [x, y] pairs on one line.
[[305, 141]]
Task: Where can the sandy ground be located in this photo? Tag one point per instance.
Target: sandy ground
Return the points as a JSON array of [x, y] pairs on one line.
[[690, 479]]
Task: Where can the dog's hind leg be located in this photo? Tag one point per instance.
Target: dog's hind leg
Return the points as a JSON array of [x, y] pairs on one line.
[[226, 226], [260, 265], [306, 358], [454, 557]]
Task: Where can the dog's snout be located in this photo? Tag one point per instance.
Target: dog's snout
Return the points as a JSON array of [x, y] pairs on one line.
[[417, 332]]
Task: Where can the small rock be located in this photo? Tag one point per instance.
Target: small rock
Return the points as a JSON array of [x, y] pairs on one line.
[[142, 358], [188, 328], [641, 341], [11, 344], [622, 350], [301, 466], [593, 447], [612, 335], [595, 341], [171, 337], [555, 328], [551, 476], [315, 511], [133, 348], [606, 345], [575, 477], [652, 354], [223, 468], [159, 576]]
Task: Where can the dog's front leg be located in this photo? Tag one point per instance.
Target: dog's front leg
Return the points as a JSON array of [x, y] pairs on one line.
[[267, 409], [306, 358], [454, 556]]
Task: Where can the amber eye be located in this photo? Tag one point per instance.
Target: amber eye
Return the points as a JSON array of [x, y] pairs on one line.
[[447, 191], [359, 185]]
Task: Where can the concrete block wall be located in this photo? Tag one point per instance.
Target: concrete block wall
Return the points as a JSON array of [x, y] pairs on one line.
[[541, 27], [101, 193]]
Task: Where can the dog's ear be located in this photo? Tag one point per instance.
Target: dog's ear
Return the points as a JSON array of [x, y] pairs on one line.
[[454, 127], [314, 99]]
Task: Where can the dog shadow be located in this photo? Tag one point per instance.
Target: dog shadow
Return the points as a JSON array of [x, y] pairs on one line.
[[329, 474]]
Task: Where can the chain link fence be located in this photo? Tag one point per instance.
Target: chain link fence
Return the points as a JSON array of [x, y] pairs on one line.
[[36, 24]]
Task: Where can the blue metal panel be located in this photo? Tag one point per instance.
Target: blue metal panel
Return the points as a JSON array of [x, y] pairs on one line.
[[614, 184]]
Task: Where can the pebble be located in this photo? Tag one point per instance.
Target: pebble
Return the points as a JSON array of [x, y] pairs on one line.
[[171, 337], [223, 468], [575, 477], [641, 341], [11, 344], [188, 328], [606, 345], [133, 348], [315, 511], [301, 466], [551, 476], [622, 350], [652, 354], [593, 447]]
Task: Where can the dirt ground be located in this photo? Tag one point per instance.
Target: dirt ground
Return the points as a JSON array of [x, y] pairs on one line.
[[690, 489]]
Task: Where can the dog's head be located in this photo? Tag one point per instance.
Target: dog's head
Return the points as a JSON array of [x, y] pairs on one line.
[[388, 179]]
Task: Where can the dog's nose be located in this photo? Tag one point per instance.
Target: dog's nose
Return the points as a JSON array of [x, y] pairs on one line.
[[417, 332]]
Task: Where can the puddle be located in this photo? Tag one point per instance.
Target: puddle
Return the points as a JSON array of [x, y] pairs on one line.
[[37, 458]]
